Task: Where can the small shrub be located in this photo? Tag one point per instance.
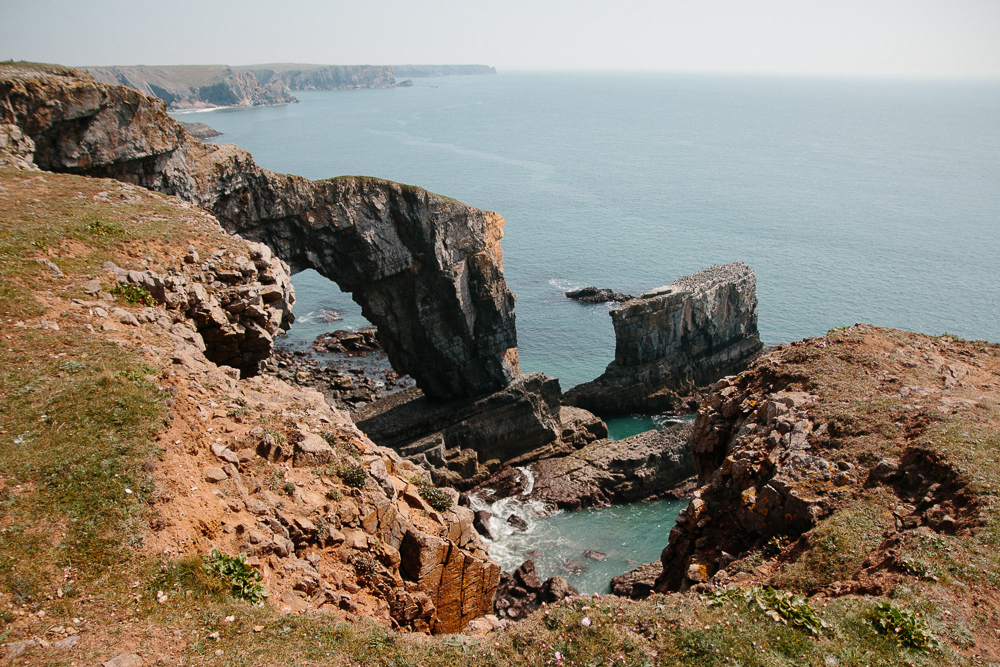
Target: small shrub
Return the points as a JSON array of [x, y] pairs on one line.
[[274, 478], [133, 294], [238, 414], [354, 475], [783, 607], [98, 228], [365, 565], [288, 489], [906, 627], [279, 436], [334, 494], [434, 496], [243, 580]]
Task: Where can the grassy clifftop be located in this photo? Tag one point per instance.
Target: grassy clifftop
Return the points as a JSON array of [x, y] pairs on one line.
[[85, 427]]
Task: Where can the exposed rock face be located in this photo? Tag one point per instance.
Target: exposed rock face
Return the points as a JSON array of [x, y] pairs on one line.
[[521, 592], [228, 474], [458, 434], [16, 149], [637, 584], [238, 302], [605, 471], [326, 77], [427, 271], [223, 87], [675, 338], [787, 443]]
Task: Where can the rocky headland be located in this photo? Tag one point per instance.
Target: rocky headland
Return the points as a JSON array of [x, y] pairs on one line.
[[675, 338], [196, 87], [208, 86], [427, 270], [858, 468]]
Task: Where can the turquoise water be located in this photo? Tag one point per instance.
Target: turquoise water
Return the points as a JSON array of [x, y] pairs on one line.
[[873, 201], [627, 536], [854, 200]]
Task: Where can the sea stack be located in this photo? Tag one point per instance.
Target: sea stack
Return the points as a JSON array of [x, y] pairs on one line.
[[674, 338]]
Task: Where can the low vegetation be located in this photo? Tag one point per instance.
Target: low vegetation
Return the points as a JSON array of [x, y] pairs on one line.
[[79, 417]]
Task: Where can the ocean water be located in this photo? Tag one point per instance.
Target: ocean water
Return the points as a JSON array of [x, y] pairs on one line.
[[854, 200]]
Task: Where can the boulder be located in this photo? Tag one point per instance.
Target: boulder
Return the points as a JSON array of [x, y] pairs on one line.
[[641, 466], [502, 425]]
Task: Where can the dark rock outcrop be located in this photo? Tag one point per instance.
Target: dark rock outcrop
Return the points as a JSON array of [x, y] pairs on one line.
[[637, 584], [675, 338], [597, 295], [642, 466], [521, 592], [522, 417], [200, 130], [216, 86], [427, 271]]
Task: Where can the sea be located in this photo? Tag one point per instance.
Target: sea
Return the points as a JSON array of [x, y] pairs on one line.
[[854, 200]]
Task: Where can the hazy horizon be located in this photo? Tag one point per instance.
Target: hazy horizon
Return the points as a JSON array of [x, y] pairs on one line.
[[884, 39]]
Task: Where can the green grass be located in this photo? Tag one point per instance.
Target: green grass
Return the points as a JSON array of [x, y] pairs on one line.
[[837, 546]]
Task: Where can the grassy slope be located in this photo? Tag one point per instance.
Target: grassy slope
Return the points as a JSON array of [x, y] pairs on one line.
[[71, 533]]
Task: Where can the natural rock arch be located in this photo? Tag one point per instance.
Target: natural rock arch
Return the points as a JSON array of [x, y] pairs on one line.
[[427, 270]]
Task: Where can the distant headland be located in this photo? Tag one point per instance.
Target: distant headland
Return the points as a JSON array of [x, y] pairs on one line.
[[208, 86]]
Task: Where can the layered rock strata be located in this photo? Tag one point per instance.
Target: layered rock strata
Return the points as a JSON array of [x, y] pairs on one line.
[[605, 471], [816, 426], [222, 87], [674, 338], [459, 439], [427, 271]]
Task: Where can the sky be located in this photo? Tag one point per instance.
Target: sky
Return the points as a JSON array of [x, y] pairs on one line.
[[894, 38]]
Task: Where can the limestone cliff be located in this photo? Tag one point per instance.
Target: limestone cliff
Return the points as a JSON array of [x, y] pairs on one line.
[[331, 522], [835, 448], [427, 270], [325, 77], [195, 87], [675, 338]]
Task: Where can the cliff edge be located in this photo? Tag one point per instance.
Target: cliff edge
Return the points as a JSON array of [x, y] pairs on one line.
[[427, 270]]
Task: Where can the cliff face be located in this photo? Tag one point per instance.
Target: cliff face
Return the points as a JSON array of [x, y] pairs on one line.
[[674, 338], [408, 71], [332, 522], [838, 448], [427, 270], [223, 87], [326, 77]]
